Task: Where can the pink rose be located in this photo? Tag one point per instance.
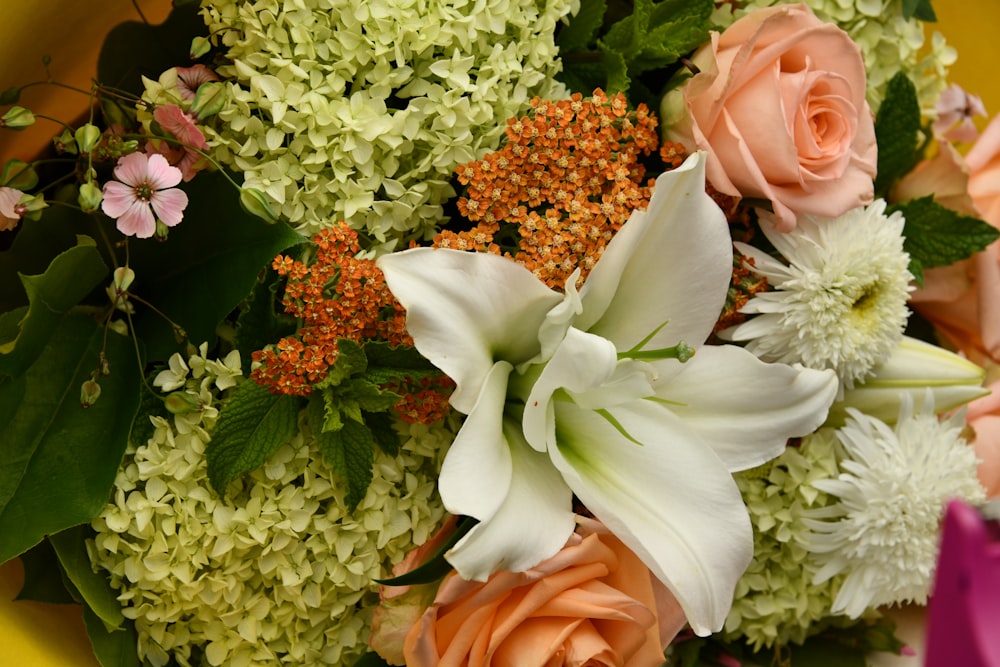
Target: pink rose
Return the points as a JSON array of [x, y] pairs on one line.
[[983, 415], [593, 603], [963, 300], [779, 106]]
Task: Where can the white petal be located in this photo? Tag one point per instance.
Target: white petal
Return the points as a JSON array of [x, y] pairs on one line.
[[670, 500], [744, 408], [466, 310], [476, 473], [672, 263], [533, 523]]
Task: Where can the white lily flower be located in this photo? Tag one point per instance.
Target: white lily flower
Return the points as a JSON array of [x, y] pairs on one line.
[[586, 393]]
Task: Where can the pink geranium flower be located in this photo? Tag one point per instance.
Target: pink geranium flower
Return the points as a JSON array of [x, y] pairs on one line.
[[186, 157], [144, 187], [190, 78], [9, 215]]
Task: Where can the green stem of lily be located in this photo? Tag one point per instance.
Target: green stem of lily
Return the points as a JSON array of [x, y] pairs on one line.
[[681, 352]]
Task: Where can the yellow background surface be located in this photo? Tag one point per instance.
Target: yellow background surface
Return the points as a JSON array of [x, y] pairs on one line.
[[39, 635]]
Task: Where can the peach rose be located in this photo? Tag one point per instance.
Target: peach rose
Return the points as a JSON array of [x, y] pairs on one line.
[[963, 300], [593, 603], [983, 415], [779, 105]]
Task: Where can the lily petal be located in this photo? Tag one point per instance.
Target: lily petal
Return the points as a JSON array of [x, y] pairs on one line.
[[645, 494], [634, 287], [532, 524], [743, 408], [464, 310], [476, 473]]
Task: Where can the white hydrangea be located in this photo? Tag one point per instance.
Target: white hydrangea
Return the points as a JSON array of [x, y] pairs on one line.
[[281, 572], [889, 43], [362, 111]]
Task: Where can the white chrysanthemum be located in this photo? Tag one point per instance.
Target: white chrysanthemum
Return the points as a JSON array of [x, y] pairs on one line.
[[281, 572], [840, 302], [888, 42], [361, 111], [884, 531]]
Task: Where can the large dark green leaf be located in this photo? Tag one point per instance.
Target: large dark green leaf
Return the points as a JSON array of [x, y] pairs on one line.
[[42, 577], [207, 266], [112, 648], [60, 459], [94, 589]]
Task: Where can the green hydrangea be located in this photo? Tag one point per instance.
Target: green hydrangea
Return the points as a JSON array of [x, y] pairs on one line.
[[889, 43], [361, 111], [775, 601], [281, 572]]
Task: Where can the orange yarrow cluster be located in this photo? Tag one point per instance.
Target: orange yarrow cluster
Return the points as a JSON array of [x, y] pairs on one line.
[[336, 295], [566, 179]]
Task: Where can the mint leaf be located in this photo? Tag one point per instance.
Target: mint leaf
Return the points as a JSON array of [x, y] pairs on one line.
[[897, 130], [581, 30], [348, 450], [351, 360], [937, 236], [67, 280], [251, 427], [60, 459], [920, 9], [380, 425]]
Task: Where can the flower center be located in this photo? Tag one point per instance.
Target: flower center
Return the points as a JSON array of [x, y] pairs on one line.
[[144, 191]]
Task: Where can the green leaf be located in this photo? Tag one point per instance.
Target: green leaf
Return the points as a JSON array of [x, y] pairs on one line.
[[897, 131], [582, 29], [118, 648], [615, 69], [380, 424], [215, 254], [42, 579], [937, 236], [252, 426], [351, 360], [436, 566], [348, 450], [10, 95], [60, 459], [68, 279], [920, 9], [820, 652], [371, 660], [71, 548], [259, 324], [150, 405]]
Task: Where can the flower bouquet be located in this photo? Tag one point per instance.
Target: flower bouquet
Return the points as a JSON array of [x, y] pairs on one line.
[[500, 333]]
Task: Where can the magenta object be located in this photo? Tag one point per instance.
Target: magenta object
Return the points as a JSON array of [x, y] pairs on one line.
[[963, 624]]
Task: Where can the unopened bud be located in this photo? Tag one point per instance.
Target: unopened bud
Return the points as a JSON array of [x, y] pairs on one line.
[[161, 231], [119, 327], [30, 207], [18, 174], [87, 137], [256, 203], [123, 278], [182, 403], [10, 96], [17, 118], [199, 47], [65, 143], [209, 99], [90, 197], [90, 391]]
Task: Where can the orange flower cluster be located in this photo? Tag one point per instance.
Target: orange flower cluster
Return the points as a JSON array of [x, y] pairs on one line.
[[336, 295], [424, 402], [566, 179]]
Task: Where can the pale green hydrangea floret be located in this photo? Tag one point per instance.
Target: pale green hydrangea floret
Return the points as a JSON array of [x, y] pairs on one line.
[[776, 601], [883, 530], [362, 111], [889, 44], [281, 571]]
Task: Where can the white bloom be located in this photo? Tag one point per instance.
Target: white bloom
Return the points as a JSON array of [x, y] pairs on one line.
[[840, 302], [576, 394], [883, 532]]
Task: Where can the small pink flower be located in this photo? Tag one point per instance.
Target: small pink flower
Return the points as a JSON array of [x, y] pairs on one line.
[[9, 215], [178, 123], [146, 182], [190, 78], [956, 109]]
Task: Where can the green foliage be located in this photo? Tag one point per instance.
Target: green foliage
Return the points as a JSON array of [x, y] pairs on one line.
[[67, 280], [259, 324], [94, 589], [254, 425], [436, 566], [920, 9], [112, 648], [601, 48], [42, 576], [60, 459], [371, 660], [897, 131], [346, 444], [937, 236]]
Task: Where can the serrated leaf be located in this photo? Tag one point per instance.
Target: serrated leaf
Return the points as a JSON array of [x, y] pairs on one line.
[[372, 398], [625, 35], [897, 130], [67, 280], [118, 648], [252, 426], [937, 236], [216, 253], [919, 9], [42, 579], [351, 360], [60, 459], [95, 590], [582, 29], [348, 450], [380, 424], [615, 70]]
